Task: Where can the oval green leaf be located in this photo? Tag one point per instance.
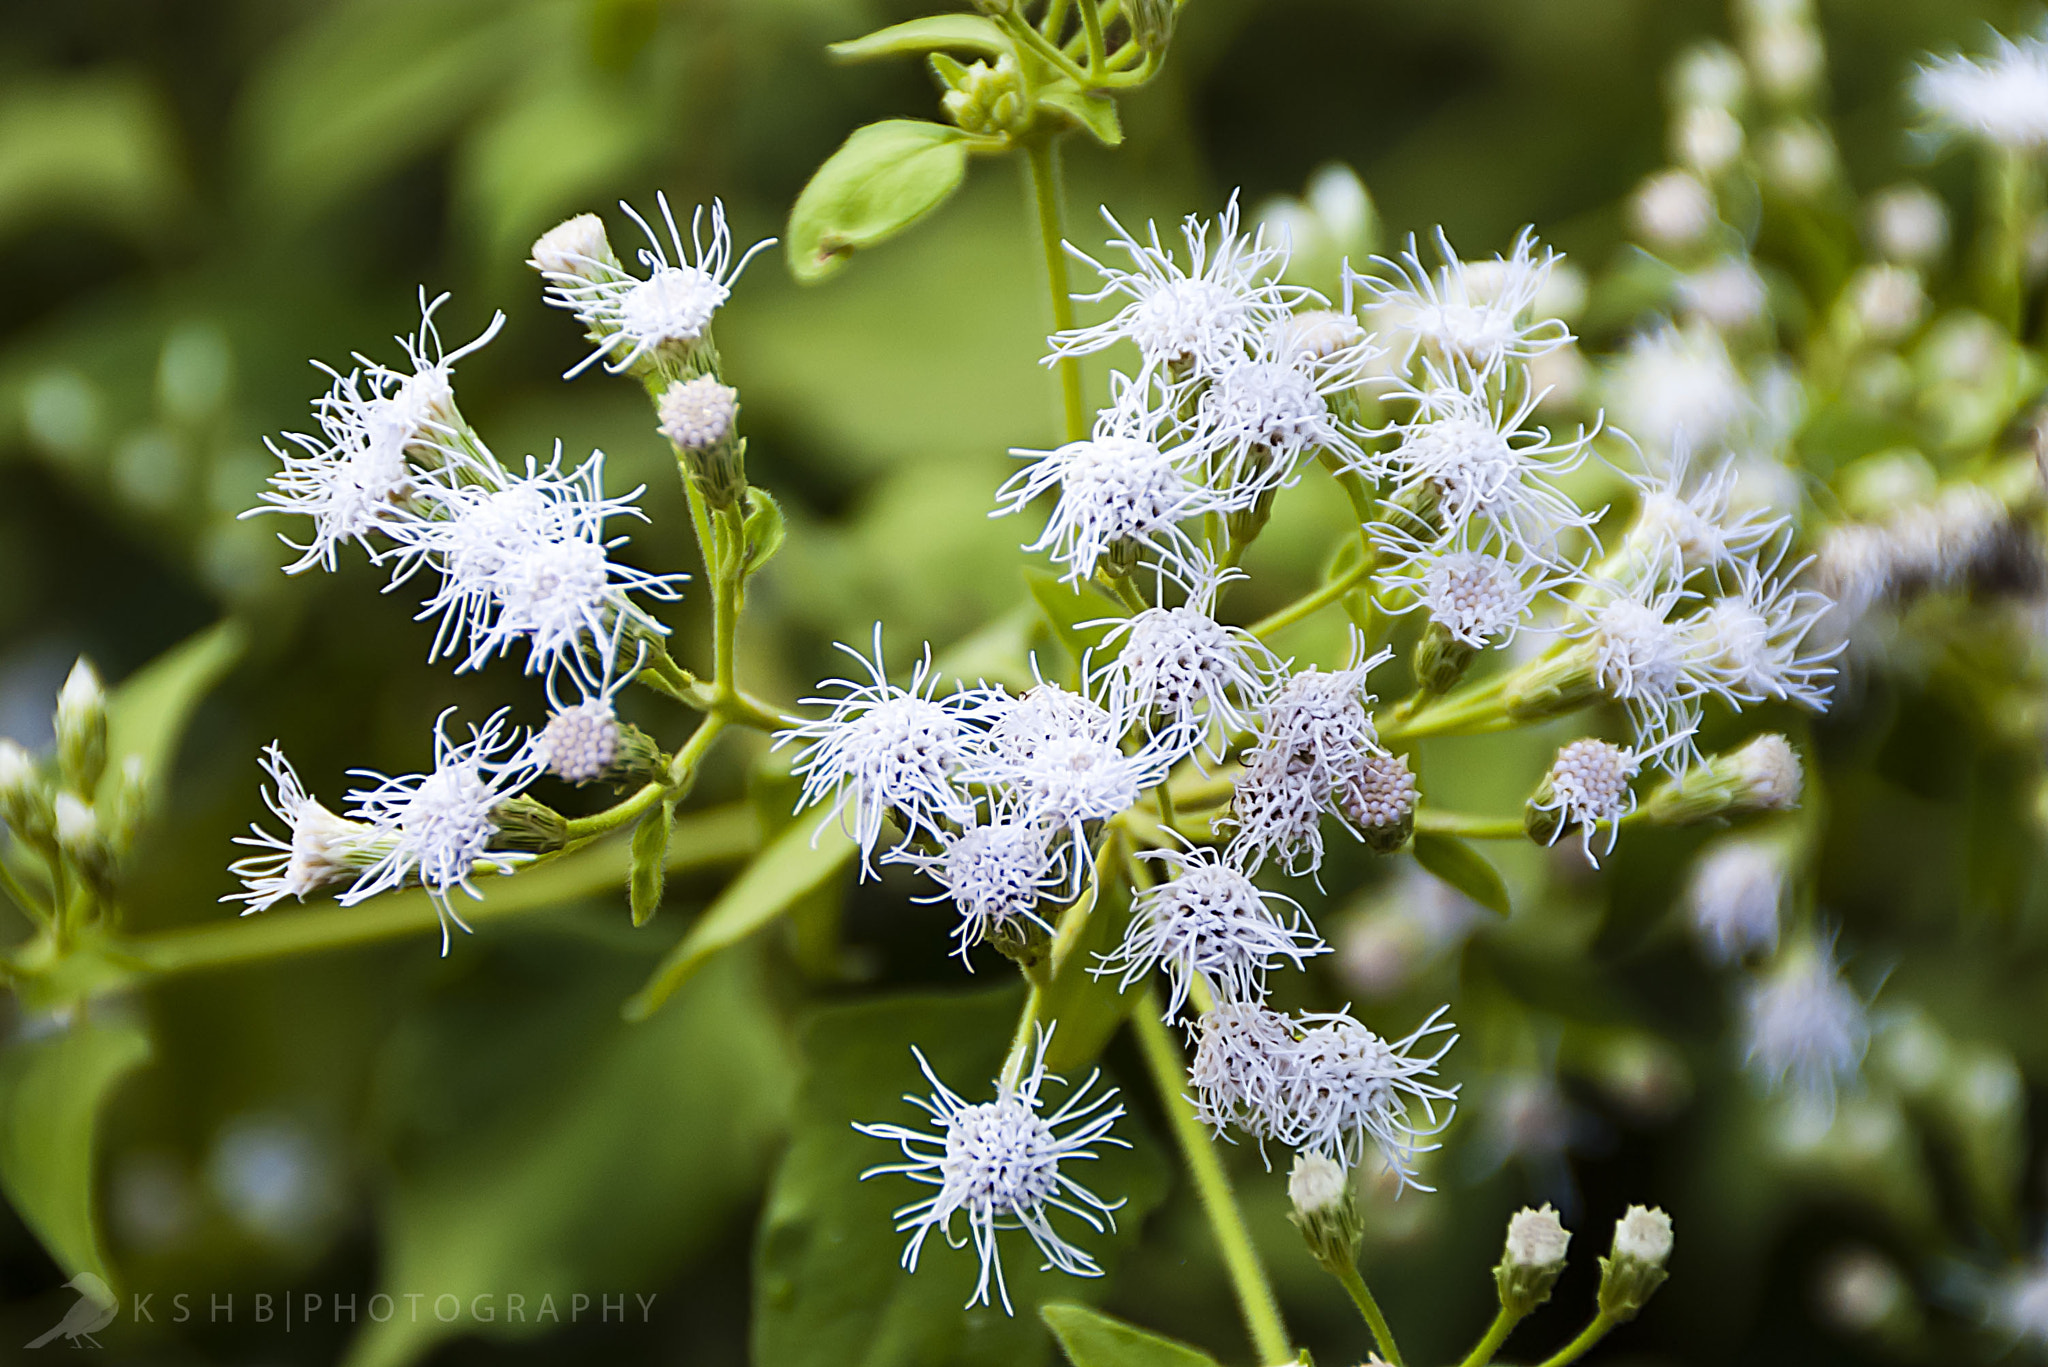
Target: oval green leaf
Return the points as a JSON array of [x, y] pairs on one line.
[[1463, 867], [1093, 1339], [882, 179], [961, 32]]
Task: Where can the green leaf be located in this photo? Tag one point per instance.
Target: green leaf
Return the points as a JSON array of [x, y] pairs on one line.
[[1463, 867], [1068, 606], [764, 530], [794, 863], [1087, 1008], [51, 1093], [882, 179], [96, 147], [1096, 113], [829, 1289], [970, 32], [650, 861], [1093, 1339], [147, 714]]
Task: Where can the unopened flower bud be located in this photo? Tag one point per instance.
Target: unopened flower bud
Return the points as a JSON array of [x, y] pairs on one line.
[[1786, 56], [1634, 1270], [698, 416], [1586, 786], [1441, 659], [1909, 225], [1532, 1260], [1710, 74], [1548, 688], [1886, 302], [1151, 23], [1799, 159], [82, 730], [24, 805], [526, 824], [1378, 799], [585, 743], [982, 98], [1762, 776], [1707, 138], [1325, 1209], [577, 248]]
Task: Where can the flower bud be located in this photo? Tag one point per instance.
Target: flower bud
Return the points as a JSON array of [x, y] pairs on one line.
[[526, 824], [1762, 776], [1672, 210], [1325, 1209], [1532, 1260], [82, 730], [1707, 138], [1441, 659], [1909, 225], [1634, 1269], [981, 98], [585, 743], [1151, 23], [1379, 801], [698, 416], [24, 803], [78, 836], [577, 248], [1886, 302], [1548, 688]]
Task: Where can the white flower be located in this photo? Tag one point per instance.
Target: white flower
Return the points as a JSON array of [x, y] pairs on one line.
[[1379, 795], [2001, 98], [1471, 316], [995, 874], [1588, 787], [1909, 225], [318, 848], [1187, 678], [1672, 209], [1693, 518], [1536, 1239], [1733, 897], [1806, 1027], [697, 414], [440, 824], [525, 559], [76, 824], [1888, 301], [1240, 1068], [1209, 924], [883, 749], [1480, 597], [1261, 415], [1641, 659], [1345, 1087], [1768, 773], [1643, 1235], [1317, 1186], [1751, 645], [1729, 294], [1116, 489], [581, 740], [1277, 809], [1677, 384], [998, 1164], [1800, 159], [2017, 1305], [634, 318], [1189, 319], [576, 247], [1706, 138]]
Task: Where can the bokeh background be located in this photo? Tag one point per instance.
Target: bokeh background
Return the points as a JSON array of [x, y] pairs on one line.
[[197, 197]]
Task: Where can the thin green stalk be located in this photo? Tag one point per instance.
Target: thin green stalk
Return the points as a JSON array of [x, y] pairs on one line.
[[725, 605], [590, 827], [1091, 25], [1043, 47], [1226, 1222], [1361, 1296], [1579, 1346], [1489, 1343], [31, 905], [1042, 155], [1055, 18], [1468, 825], [1311, 603]]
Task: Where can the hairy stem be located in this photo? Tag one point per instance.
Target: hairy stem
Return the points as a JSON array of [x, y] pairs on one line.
[[1042, 154], [1361, 1296], [1489, 1343], [1471, 826], [1579, 1346], [1226, 1222]]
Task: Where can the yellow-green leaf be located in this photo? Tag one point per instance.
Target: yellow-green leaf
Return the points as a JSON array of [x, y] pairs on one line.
[[968, 32], [882, 179], [147, 714], [1463, 867], [1093, 1339]]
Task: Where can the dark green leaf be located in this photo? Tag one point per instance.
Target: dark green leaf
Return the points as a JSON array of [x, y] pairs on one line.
[[51, 1092], [882, 179], [1463, 867], [1093, 1339], [969, 32], [1076, 613], [1096, 113], [800, 859], [828, 1286], [147, 714], [650, 861], [1087, 1009]]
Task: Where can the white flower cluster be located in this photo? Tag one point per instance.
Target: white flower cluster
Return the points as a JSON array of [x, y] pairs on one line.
[[521, 558]]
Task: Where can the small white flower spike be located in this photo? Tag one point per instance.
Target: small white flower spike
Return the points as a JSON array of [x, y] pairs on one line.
[[1262, 414], [1240, 1070], [1588, 786], [995, 874], [1470, 316], [998, 1164], [1678, 384], [1117, 490], [2001, 99], [1210, 924], [440, 825], [1641, 657], [1346, 1088], [1806, 1027], [1733, 896], [318, 848], [1691, 513], [1751, 644]]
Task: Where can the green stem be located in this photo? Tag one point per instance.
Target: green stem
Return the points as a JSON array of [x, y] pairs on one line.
[[17, 893], [590, 827], [1470, 826], [1043, 48], [1496, 1334], [1042, 155], [1578, 1347], [1361, 1296], [1226, 1222], [1098, 55], [725, 605], [1312, 603]]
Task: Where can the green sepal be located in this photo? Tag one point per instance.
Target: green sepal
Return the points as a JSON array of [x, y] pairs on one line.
[[763, 531], [1096, 113]]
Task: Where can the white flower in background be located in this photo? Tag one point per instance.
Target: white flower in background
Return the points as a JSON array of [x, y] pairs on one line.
[[634, 318], [1260, 416], [1729, 294], [2001, 98], [1347, 1088], [1694, 517], [1192, 319], [1888, 301], [1672, 210], [2016, 1305], [317, 849], [995, 874], [1240, 1068], [1800, 159], [1706, 138], [1211, 924], [525, 559], [1733, 896], [440, 825], [881, 749], [1806, 1028], [1189, 680], [998, 1164], [1472, 316], [1678, 385], [1482, 472], [1115, 488], [1641, 658], [416, 407], [1751, 644], [1909, 225]]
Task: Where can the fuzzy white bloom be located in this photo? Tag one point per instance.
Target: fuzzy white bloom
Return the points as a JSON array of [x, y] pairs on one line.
[[1733, 897], [1888, 301], [1800, 159], [880, 749], [1678, 384], [1693, 516], [1471, 316], [1644, 1235], [1190, 681], [1193, 318], [995, 874], [577, 248], [1752, 643], [635, 319], [1709, 73], [581, 740], [1672, 210], [1053, 756], [1641, 657], [1241, 1066], [1729, 294], [998, 1164], [1263, 413], [524, 559], [1787, 56], [1482, 598], [2016, 1305], [77, 825], [440, 825], [1706, 138], [1909, 225], [1805, 1027], [317, 849], [2001, 98], [17, 769], [1316, 1185], [1770, 773], [1209, 923], [1116, 489], [1588, 786], [1346, 1088]]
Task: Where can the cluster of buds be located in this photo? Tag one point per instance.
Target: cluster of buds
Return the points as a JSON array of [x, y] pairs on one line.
[[66, 809]]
